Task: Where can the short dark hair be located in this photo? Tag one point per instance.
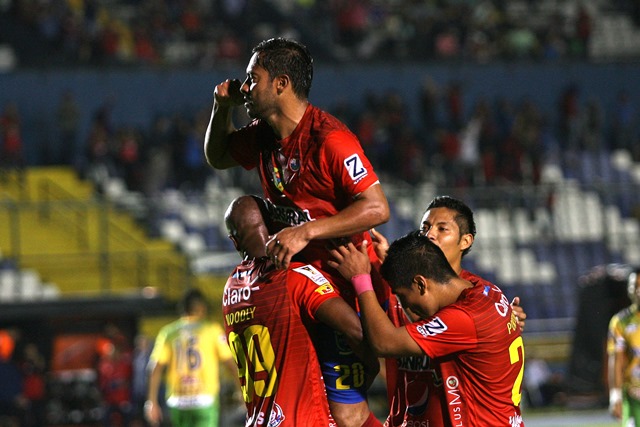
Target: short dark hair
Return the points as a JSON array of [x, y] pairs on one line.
[[190, 300], [286, 56], [414, 254], [463, 217]]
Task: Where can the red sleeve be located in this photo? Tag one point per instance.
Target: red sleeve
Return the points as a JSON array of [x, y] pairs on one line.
[[244, 144], [309, 289], [346, 162], [452, 330]]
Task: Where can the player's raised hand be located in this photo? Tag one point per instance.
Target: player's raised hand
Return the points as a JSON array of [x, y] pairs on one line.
[[350, 261], [228, 93], [380, 244], [519, 312]]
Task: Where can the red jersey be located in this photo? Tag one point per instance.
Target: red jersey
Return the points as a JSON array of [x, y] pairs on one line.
[[480, 353], [414, 384], [266, 312], [115, 373], [314, 173]]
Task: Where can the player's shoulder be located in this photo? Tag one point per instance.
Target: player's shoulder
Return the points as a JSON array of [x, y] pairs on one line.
[[171, 328], [627, 315], [309, 271], [311, 279], [328, 127], [475, 279]]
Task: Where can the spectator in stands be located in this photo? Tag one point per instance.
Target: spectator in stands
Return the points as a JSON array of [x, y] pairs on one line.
[[129, 157], [527, 143], [99, 154], [623, 353], [569, 116], [158, 146], [67, 119], [33, 368], [429, 104], [592, 127], [114, 377], [583, 31], [11, 154], [139, 384], [12, 400], [624, 123]]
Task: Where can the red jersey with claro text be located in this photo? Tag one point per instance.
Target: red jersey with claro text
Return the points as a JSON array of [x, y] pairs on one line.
[[314, 173], [266, 315], [480, 353]]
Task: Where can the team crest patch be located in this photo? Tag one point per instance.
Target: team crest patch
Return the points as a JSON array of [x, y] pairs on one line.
[[452, 382], [277, 416], [294, 164], [312, 273]]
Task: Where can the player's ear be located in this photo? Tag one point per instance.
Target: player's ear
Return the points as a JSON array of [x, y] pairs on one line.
[[235, 242], [282, 82], [466, 241], [421, 283]]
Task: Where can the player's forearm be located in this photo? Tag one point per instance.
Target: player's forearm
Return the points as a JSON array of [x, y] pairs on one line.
[[618, 369], [155, 377], [362, 215], [216, 141], [378, 329]]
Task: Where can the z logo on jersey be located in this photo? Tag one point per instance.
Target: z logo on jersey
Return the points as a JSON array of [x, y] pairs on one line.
[[355, 168], [434, 327]]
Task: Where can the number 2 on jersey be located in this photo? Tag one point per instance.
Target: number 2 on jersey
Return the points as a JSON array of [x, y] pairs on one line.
[[255, 358], [514, 357]]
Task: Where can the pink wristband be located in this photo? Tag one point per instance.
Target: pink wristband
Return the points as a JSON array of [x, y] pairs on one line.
[[361, 283]]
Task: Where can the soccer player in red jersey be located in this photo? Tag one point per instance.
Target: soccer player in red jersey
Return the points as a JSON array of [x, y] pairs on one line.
[[268, 314], [314, 173], [414, 386], [469, 329]]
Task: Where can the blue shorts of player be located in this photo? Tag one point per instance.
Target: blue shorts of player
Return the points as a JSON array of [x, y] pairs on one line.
[[345, 377]]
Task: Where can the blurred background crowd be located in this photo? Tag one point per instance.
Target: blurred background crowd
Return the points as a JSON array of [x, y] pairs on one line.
[[206, 33], [495, 140], [82, 63]]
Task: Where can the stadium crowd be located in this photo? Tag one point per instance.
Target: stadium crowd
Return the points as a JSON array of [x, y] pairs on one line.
[[499, 142], [205, 34]]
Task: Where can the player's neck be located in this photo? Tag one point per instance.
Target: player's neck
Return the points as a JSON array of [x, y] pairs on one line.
[[457, 267], [453, 291], [286, 121]]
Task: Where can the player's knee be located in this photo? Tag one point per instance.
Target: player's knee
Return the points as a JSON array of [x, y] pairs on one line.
[[350, 414]]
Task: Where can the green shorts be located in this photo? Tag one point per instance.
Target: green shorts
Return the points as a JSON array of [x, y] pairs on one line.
[[198, 417], [630, 411]]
